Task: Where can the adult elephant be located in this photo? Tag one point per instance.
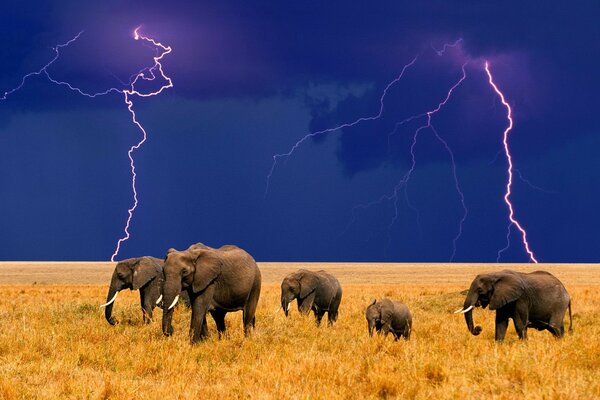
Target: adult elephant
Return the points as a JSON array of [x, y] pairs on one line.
[[537, 300], [217, 281], [318, 291], [142, 273]]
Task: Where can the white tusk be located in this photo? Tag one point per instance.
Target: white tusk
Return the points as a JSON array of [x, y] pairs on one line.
[[463, 311], [173, 303], [287, 307], [459, 310], [159, 299], [113, 299]]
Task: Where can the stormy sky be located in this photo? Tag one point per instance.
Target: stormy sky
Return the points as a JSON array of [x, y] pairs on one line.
[[251, 79]]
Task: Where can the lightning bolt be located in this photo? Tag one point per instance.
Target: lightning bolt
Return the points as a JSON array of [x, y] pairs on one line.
[[511, 212], [277, 157], [146, 74], [403, 183], [446, 46], [133, 92]]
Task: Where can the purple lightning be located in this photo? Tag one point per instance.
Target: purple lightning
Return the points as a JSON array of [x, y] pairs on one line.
[[146, 74], [511, 213], [403, 183], [446, 46], [276, 157], [132, 91]]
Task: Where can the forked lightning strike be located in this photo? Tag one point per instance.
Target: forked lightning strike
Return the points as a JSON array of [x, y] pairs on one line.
[[276, 157], [146, 74], [403, 183]]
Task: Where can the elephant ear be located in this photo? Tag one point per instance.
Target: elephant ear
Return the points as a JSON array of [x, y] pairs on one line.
[[507, 289], [308, 283], [208, 268], [144, 271], [386, 312]]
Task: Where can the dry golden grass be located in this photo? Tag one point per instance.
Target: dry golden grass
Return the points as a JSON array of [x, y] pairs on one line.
[[55, 343]]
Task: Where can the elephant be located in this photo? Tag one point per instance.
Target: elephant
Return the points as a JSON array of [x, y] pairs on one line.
[[142, 273], [536, 299], [389, 316], [217, 281], [318, 291]]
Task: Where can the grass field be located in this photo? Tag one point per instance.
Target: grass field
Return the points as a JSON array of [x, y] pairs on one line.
[[55, 343]]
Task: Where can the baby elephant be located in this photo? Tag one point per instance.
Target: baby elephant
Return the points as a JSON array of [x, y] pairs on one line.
[[389, 316], [318, 291]]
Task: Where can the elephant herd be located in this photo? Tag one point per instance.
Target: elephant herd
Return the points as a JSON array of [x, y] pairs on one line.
[[227, 279]]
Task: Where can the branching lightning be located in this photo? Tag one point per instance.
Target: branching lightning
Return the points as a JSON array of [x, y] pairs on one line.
[[146, 74], [130, 92], [277, 157], [511, 213], [403, 183]]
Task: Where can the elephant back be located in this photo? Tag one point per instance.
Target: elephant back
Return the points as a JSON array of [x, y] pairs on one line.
[[236, 263]]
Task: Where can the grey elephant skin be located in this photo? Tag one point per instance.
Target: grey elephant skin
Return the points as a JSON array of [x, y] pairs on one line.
[[141, 273], [318, 291], [537, 300], [217, 281], [385, 316]]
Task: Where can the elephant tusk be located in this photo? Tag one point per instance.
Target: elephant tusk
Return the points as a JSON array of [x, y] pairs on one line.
[[159, 299], [463, 311], [287, 307], [113, 299], [174, 302]]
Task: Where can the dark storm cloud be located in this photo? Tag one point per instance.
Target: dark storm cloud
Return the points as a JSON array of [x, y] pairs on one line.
[[250, 79]]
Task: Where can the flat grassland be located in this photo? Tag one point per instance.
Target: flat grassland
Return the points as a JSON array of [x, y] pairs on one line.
[[55, 343]]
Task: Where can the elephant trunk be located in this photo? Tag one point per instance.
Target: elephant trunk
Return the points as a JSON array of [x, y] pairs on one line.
[[470, 302], [113, 290], [171, 292], [371, 327], [167, 328], [285, 304]]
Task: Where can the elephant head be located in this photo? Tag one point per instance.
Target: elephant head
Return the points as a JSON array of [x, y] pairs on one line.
[[297, 285], [495, 290], [131, 274], [193, 269], [376, 313]]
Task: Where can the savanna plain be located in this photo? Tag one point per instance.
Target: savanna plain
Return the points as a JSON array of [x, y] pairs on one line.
[[55, 343]]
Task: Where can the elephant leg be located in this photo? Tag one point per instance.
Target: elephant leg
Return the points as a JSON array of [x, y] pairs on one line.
[[501, 325], [319, 314], [148, 304], [557, 327], [204, 327], [219, 317], [407, 329], [520, 322], [333, 310], [249, 312], [198, 328], [146, 313], [385, 328]]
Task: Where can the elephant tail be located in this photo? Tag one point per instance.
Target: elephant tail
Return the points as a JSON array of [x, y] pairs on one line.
[[570, 320]]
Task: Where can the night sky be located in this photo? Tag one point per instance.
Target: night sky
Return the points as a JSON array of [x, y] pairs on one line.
[[251, 79]]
